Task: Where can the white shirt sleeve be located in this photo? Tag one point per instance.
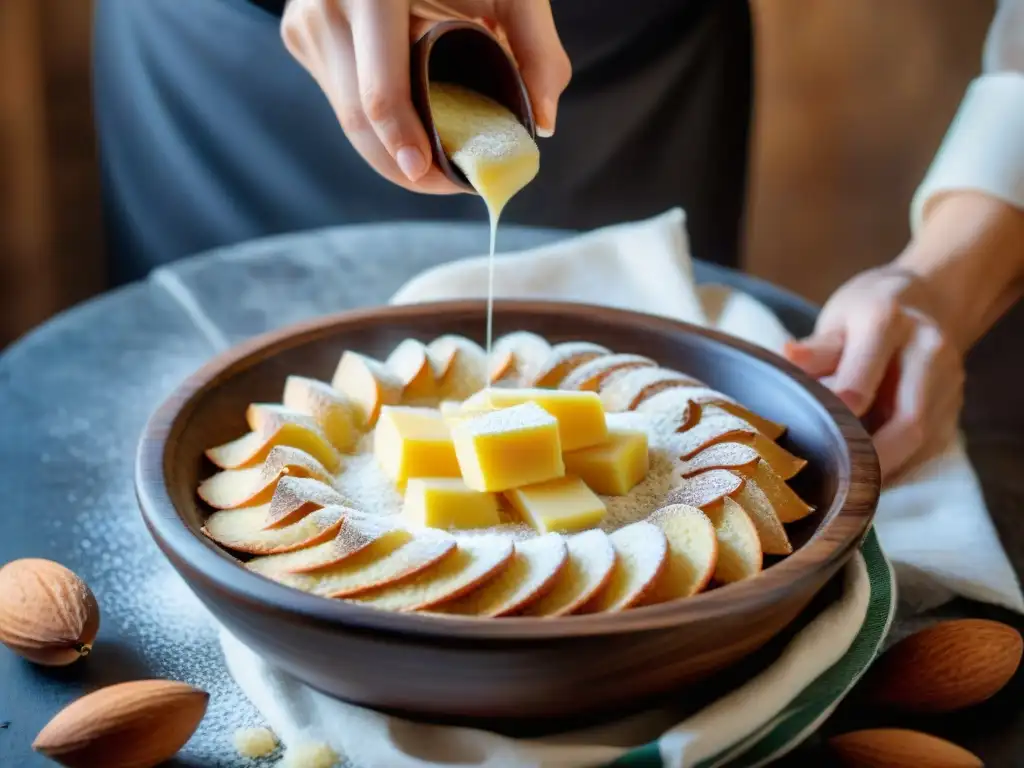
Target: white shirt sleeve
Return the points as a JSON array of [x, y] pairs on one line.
[[984, 147]]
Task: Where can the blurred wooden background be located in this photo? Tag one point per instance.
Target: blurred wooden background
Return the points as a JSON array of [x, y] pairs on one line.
[[853, 99]]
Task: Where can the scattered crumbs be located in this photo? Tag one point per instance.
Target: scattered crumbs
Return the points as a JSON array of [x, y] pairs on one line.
[[255, 742], [311, 755]]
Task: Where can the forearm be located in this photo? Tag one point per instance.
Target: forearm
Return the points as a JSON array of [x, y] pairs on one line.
[[970, 253]]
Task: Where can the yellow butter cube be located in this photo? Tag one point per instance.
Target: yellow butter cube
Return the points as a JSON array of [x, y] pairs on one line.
[[561, 505], [614, 467], [414, 442], [580, 415], [447, 502], [450, 407], [508, 448]]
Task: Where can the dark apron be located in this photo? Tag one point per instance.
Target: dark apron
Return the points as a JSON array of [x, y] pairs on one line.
[[211, 134]]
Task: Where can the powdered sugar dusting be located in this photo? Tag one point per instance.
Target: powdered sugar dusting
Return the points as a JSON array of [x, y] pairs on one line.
[[366, 486], [146, 604], [513, 419]]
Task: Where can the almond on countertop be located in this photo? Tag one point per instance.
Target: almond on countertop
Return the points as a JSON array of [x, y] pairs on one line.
[[898, 748], [948, 666], [131, 725], [48, 615]]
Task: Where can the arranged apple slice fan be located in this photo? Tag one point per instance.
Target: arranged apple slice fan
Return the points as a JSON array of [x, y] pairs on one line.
[[548, 480]]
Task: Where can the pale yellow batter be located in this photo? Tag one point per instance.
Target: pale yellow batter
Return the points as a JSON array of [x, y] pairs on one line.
[[492, 148]]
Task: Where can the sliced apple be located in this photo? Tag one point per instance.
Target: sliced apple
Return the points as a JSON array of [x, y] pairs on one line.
[[720, 456], [692, 553], [275, 428], [787, 505], [411, 363], [587, 571], [242, 530], [641, 552], [562, 360], [232, 488], [368, 383], [516, 352], [673, 407], [739, 547], [296, 497], [702, 395], [757, 505], [683, 403], [474, 562], [461, 366], [535, 565], [786, 465], [626, 390], [441, 351], [357, 532], [591, 375], [766, 427], [714, 426], [337, 415], [286, 426], [704, 489], [396, 555]]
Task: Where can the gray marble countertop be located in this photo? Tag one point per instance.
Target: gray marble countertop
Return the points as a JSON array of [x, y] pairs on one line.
[[75, 394]]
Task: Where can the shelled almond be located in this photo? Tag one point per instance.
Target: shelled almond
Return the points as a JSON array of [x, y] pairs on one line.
[[131, 725], [899, 748], [948, 666]]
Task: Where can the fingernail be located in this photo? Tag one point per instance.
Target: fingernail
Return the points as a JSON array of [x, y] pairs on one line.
[[411, 162], [549, 108]]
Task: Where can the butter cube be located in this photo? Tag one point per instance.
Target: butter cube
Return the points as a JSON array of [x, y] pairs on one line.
[[580, 415], [414, 442], [443, 502], [450, 408], [508, 448], [614, 467], [561, 505]]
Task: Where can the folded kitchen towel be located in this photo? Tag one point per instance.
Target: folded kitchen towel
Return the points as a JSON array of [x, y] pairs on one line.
[[934, 525]]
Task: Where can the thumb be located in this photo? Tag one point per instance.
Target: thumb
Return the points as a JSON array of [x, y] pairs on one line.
[[542, 60], [818, 355]]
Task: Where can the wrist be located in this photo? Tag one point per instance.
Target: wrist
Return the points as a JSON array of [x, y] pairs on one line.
[[969, 256]]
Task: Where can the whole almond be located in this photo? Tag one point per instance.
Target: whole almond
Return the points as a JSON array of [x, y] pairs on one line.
[[948, 666], [898, 748], [47, 614], [131, 725]]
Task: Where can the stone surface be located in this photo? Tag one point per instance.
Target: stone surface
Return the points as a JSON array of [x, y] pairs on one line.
[[74, 397]]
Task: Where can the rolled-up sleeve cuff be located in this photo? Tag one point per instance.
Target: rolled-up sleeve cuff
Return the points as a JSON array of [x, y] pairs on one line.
[[983, 150]]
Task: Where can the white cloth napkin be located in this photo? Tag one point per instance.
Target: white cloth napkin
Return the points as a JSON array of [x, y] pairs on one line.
[[934, 526]]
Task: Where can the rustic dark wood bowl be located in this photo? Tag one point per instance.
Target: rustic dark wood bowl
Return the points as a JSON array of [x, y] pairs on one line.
[[465, 54], [523, 669]]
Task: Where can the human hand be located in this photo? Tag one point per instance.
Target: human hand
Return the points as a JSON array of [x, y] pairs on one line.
[[880, 345], [358, 52]]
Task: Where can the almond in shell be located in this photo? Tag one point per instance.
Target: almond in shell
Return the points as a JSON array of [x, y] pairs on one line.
[[899, 748], [948, 666], [131, 725], [48, 615]]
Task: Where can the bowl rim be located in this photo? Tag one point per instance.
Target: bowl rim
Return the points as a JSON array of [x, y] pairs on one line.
[[834, 541]]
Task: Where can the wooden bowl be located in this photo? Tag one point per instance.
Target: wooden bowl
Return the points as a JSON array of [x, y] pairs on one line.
[[518, 670], [465, 54]]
